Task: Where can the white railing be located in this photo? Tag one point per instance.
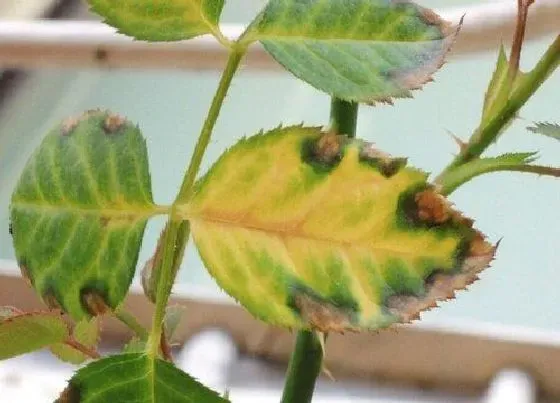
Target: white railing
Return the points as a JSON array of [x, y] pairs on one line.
[[74, 44]]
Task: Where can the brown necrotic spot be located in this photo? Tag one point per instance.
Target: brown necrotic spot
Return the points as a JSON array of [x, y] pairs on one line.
[[325, 152], [383, 162], [432, 207], [113, 123], [322, 316], [68, 126], [50, 299], [93, 302]]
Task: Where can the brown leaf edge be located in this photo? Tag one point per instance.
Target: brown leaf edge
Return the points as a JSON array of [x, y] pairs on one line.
[[415, 80]]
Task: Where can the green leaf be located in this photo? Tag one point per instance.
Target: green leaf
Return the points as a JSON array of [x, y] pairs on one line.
[[463, 173], [86, 332], [547, 129], [25, 333], [308, 229], [362, 50], [162, 20], [79, 211], [135, 378]]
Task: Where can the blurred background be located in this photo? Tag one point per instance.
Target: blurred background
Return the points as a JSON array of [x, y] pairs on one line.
[[515, 305]]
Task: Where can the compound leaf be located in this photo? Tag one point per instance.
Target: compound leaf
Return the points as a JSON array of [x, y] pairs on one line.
[[79, 211], [27, 332], [162, 20], [547, 129], [309, 229], [86, 332], [362, 50], [135, 377]]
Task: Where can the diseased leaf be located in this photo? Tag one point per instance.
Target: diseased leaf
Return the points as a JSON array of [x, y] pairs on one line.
[[479, 166], [86, 332], [162, 20], [309, 229], [362, 50], [547, 129], [79, 211], [135, 378], [28, 332]]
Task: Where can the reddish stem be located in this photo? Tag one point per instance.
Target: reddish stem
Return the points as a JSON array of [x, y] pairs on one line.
[[90, 352], [518, 37]]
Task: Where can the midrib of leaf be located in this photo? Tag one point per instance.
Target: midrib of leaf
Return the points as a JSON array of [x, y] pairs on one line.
[[283, 234], [127, 211]]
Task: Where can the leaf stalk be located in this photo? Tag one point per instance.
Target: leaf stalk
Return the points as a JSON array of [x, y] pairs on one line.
[[178, 231]]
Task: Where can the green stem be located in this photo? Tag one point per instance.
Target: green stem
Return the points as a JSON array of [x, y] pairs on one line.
[[176, 235], [344, 117], [307, 358], [528, 85], [235, 57], [132, 323], [304, 368]]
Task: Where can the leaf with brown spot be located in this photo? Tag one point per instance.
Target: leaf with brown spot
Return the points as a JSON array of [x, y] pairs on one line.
[[308, 230], [374, 51]]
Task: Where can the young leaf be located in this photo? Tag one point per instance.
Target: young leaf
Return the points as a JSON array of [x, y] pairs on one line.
[[173, 316], [24, 333], [498, 89], [463, 173], [162, 20], [314, 230], [362, 50], [546, 129], [86, 332], [79, 211], [134, 377], [135, 345]]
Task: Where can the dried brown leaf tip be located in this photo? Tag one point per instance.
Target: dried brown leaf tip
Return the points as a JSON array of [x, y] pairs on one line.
[[113, 123], [386, 164]]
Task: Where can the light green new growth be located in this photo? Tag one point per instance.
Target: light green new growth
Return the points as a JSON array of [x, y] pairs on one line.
[[79, 211], [85, 332], [365, 50]]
